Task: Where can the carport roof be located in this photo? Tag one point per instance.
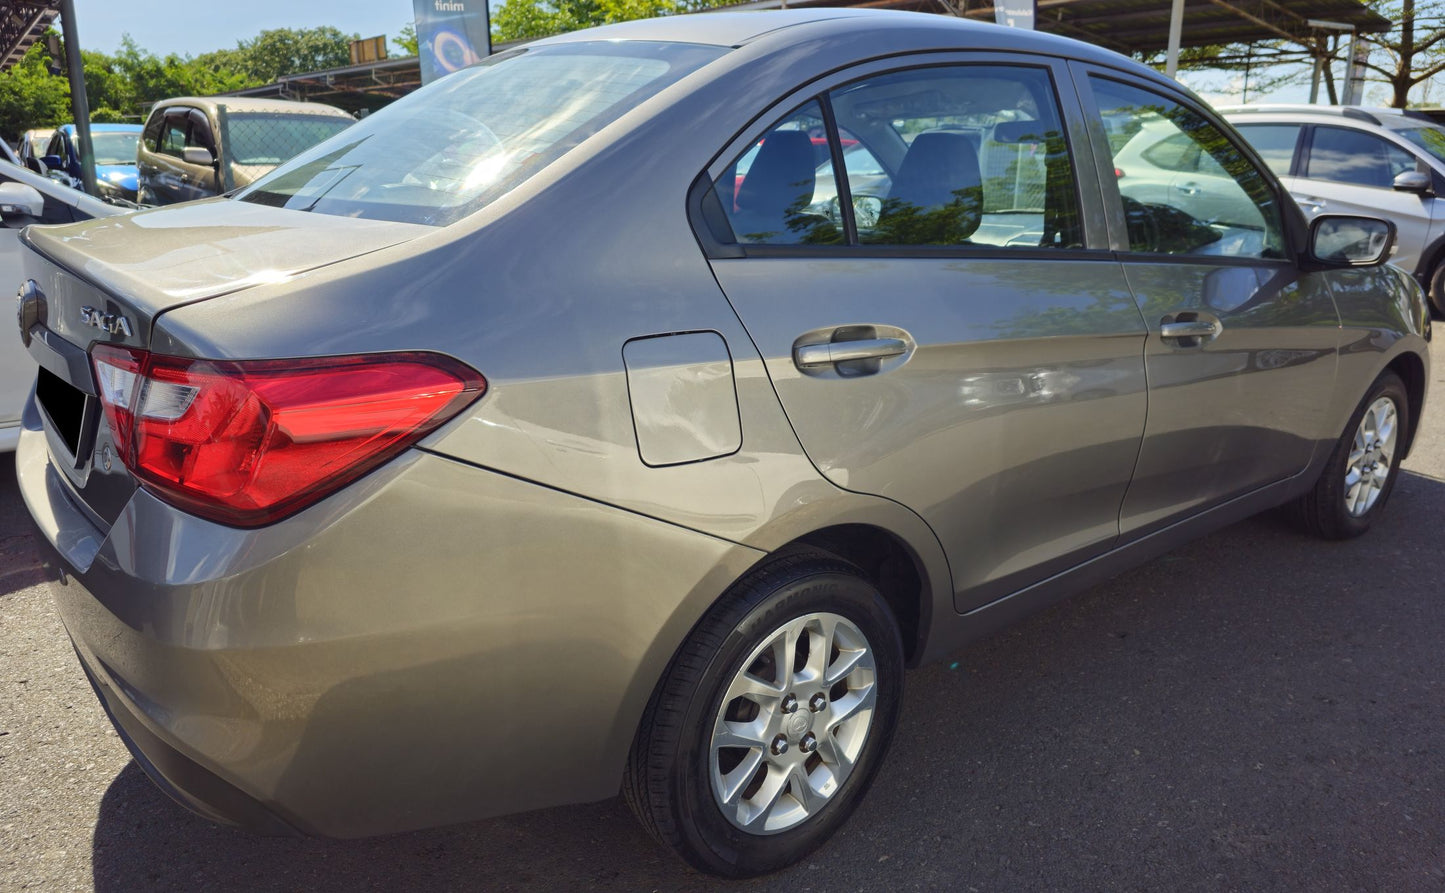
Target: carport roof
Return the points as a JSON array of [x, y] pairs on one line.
[[22, 22], [1129, 26]]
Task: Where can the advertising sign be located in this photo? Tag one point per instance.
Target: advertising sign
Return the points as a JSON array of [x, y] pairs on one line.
[[1015, 13], [450, 35]]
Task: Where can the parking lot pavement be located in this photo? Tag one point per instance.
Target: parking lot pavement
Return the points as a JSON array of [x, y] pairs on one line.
[[1257, 711]]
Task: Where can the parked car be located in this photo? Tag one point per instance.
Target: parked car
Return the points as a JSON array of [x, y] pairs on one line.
[[1350, 160], [533, 463], [32, 146], [194, 148], [27, 198], [114, 146], [1161, 164]]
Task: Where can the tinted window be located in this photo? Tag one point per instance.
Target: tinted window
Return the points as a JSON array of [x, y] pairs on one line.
[[975, 154], [1227, 207], [152, 135], [1431, 139], [173, 134], [273, 138], [465, 140], [781, 191], [1352, 156], [1274, 142]]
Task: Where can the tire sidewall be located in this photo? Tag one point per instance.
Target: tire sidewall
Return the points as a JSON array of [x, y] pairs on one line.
[[728, 849]]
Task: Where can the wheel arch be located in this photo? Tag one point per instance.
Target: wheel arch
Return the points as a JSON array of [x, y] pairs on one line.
[[1411, 370]]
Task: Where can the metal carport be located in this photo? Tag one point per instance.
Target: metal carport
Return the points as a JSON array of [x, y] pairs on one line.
[[22, 22]]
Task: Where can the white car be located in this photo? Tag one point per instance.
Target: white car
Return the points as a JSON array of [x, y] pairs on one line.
[[27, 198], [1163, 165]]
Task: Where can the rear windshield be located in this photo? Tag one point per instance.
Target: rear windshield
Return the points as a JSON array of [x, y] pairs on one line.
[[274, 138], [450, 148]]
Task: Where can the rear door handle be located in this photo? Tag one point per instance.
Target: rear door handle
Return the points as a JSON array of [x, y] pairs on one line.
[[814, 355], [1310, 204]]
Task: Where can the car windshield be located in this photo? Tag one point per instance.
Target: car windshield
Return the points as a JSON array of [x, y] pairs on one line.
[[452, 147], [113, 147], [1431, 139], [271, 138]]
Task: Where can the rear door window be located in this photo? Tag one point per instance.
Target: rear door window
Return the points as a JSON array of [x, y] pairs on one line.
[[1275, 143]]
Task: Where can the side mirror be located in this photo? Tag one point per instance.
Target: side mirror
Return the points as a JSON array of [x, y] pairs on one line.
[[20, 200], [1413, 181], [197, 155], [51, 162], [1338, 240]]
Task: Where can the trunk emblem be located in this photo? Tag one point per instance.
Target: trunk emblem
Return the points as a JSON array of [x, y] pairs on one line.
[[113, 323]]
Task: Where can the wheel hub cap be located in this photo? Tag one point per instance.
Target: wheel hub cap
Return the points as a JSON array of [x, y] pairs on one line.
[[763, 788], [1367, 469]]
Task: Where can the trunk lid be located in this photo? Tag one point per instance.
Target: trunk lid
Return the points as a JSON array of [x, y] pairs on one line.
[[106, 280]]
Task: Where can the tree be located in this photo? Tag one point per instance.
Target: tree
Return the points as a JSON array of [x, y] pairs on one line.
[[527, 19], [407, 40], [30, 96], [282, 51], [1413, 52]]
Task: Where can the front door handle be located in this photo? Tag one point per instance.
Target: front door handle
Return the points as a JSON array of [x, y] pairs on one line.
[[1312, 205], [814, 355], [1194, 328]]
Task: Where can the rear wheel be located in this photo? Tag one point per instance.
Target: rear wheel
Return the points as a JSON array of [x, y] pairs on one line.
[[1363, 466], [772, 719]]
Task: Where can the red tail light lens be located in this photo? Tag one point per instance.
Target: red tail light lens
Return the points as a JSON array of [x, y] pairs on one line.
[[247, 443]]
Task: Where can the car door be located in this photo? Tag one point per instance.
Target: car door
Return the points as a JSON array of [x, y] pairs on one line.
[[965, 343], [1241, 347], [1348, 171]]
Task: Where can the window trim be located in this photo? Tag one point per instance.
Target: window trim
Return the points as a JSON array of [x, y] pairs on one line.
[[1092, 211]]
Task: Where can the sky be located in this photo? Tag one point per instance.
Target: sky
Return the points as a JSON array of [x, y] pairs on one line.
[[169, 26]]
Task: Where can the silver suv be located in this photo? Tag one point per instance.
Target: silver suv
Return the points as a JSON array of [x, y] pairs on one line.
[[1349, 159]]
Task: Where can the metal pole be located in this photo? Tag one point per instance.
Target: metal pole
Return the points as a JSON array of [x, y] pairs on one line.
[[1176, 32], [1349, 97], [1315, 79], [79, 105]]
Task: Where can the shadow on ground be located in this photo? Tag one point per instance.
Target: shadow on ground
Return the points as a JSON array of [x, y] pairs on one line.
[[1255, 711]]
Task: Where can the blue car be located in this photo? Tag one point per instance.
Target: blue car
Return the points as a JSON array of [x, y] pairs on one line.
[[114, 145]]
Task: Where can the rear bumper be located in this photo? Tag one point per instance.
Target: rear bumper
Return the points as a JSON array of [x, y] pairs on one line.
[[437, 643]]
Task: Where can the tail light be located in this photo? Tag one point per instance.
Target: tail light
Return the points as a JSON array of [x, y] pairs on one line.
[[246, 443], [1118, 173]]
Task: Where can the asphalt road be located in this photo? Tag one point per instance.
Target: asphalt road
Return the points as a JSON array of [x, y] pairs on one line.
[[1257, 711]]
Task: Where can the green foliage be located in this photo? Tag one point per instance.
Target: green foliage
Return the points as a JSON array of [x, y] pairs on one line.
[[121, 86], [30, 96], [527, 19], [406, 40]]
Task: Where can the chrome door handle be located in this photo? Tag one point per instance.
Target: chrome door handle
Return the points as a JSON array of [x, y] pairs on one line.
[[1194, 328], [1188, 188], [1310, 204], [842, 351]]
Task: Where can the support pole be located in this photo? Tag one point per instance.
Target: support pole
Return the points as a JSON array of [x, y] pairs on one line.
[[79, 105], [1315, 78], [1350, 98], [1176, 32]]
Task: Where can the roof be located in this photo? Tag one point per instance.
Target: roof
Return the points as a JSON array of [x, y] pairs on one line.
[[1129, 26], [1395, 119], [728, 28], [259, 106], [106, 128], [22, 22]]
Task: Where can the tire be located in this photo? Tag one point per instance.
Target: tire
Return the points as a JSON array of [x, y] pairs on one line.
[[744, 810], [1351, 491], [1435, 292]]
